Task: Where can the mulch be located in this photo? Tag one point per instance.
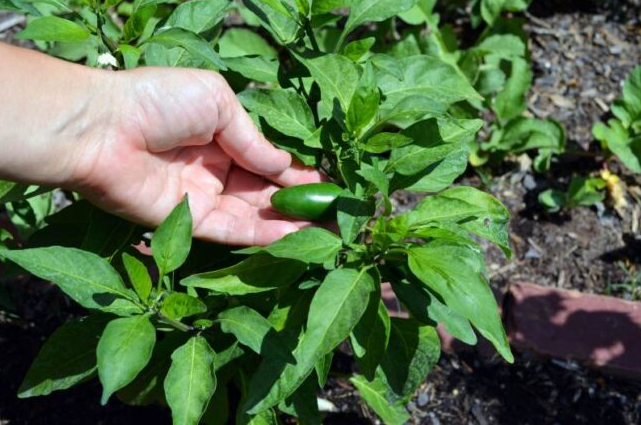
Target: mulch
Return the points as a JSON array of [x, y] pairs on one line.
[[581, 51]]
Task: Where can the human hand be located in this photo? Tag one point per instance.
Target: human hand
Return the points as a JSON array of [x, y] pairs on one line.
[[176, 131]]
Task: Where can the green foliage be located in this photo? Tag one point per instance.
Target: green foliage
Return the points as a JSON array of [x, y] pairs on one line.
[[585, 191], [52, 28], [622, 134], [190, 381], [377, 115], [68, 357], [124, 349]]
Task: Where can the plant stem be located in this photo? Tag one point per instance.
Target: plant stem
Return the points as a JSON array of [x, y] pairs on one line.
[[175, 323], [106, 41], [161, 277], [341, 40], [310, 33]]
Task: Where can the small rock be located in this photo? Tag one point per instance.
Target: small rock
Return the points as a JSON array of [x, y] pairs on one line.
[[478, 414], [532, 254], [423, 399], [325, 405], [434, 419], [616, 50], [529, 182]]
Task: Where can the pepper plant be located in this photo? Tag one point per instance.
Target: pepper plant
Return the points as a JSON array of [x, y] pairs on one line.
[[203, 327]]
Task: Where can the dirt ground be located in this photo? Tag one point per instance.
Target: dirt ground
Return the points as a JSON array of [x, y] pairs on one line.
[[581, 51]]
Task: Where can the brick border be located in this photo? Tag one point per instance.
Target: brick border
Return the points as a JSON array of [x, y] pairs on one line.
[[596, 330]]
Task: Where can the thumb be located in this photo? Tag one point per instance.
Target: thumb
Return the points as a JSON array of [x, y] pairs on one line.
[[187, 107]]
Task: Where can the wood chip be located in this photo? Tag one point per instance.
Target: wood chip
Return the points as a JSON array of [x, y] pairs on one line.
[[11, 22], [562, 102], [604, 107]]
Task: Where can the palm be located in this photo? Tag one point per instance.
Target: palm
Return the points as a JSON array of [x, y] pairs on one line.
[[163, 147]]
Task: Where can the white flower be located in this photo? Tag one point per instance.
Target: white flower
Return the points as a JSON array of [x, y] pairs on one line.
[[107, 59]]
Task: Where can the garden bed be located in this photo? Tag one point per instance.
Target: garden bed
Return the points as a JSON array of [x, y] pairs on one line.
[[587, 249]]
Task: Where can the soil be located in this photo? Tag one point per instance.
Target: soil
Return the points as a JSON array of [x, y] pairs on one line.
[[581, 51]]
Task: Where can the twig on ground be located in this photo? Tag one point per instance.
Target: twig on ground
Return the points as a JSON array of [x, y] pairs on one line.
[[11, 22]]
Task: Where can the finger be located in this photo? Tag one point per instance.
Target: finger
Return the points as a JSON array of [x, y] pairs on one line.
[[256, 205], [223, 227], [249, 187], [238, 136], [297, 174]]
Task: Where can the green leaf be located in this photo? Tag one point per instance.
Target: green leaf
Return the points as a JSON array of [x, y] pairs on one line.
[[492, 9], [178, 305], [284, 110], [383, 142], [472, 209], [304, 403], [618, 140], [171, 242], [19, 6], [336, 308], [505, 45], [511, 102], [524, 133], [310, 245], [190, 382], [388, 65], [358, 48], [147, 387], [374, 11], [375, 393], [191, 43], [336, 76], [138, 276], [421, 13], [130, 54], [375, 176], [67, 358], [236, 42], [324, 6], [257, 68], [426, 76], [198, 16], [412, 351], [123, 351], [254, 331], [13, 192], [258, 273], [85, 277], [456, 273], [437, 156], [410, 110], [276, 18], [428, 309], [5, 236], [632, 93], [141, 13], [364, 103], [106, 234], [552, 200], [323, 367], [352, 215], [53, 28], [585, 191], [370, 336]]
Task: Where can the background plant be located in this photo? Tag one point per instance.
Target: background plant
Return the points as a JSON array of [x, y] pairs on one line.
[[622, 134], [343, 94]]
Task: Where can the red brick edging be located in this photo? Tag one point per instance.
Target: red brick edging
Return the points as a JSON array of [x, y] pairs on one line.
[[595, 330]]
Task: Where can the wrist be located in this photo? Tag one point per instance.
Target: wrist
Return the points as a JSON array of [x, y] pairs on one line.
[[52, 112]]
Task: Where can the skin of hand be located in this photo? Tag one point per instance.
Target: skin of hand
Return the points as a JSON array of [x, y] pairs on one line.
[[134, 142]]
